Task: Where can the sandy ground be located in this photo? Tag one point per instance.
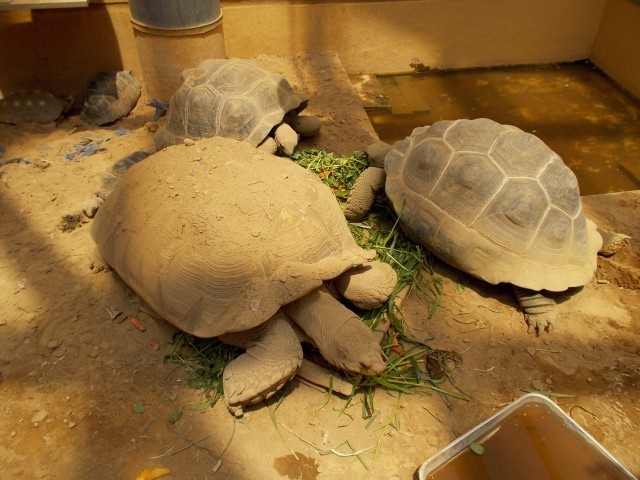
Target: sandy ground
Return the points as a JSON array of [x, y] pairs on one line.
[[70, 376]]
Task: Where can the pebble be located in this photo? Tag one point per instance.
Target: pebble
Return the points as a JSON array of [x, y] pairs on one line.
[[71, 424], [39, 416], [22, 284], [94, 352], [3, 322], [53, 344], [189, 142], [531, 351], [13, 433]]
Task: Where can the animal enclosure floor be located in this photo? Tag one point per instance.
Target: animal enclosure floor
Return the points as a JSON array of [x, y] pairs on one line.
[[86, 397]]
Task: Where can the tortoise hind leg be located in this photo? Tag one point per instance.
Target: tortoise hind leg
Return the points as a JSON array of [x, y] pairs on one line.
[[539, 311], [272, 357]]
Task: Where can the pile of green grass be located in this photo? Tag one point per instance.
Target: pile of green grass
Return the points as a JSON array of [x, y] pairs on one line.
[[405, 356]]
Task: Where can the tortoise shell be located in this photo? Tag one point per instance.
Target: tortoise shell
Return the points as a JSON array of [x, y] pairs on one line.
[[218, 236], [30, 106], [110, 96], [229, 98], [493, 201]]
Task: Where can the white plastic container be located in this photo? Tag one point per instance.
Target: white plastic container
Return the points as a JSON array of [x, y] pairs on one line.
[[532, 439]]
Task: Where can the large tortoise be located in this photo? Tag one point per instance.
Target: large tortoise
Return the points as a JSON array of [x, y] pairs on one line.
[[223, 240], [493, 201], [234, 99]]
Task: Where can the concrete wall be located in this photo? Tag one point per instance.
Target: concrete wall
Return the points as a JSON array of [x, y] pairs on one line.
[[59, 50], [617, 47], [383, 37]]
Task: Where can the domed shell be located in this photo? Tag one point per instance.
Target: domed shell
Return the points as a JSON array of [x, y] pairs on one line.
[[110, 96], [26, 106], [216, 237], [493, 201], [229, 98]]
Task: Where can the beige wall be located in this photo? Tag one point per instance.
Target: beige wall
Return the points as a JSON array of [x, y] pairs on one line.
[[617, 47], [59, 50], [377, 37]]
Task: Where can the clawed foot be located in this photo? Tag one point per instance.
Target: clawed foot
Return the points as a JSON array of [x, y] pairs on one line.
[[539, 310]]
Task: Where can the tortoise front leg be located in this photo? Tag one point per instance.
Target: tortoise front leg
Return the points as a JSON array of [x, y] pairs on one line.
[[341, 337], [539, 311], [272, 357]]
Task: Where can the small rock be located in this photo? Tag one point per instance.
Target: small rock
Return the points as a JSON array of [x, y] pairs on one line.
[[189, 142], [22, 284], [94, 352], [3, 322], [531, 351], [39, 416], [13, 433], [548, 381], [71, 424], [53, 344], [41, 163], [589, 379], [602, 281]]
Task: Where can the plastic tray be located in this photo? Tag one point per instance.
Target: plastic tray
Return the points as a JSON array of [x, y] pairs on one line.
[[489, 427]]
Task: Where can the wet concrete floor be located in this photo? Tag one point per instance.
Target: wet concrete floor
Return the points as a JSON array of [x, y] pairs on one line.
[[574, 108]]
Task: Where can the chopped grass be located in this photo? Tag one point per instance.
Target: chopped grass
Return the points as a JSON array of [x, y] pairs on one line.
[[204, 360], [405, 356], [339, 173]]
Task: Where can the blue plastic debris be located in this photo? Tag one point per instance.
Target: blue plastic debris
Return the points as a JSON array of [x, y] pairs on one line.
[[161, 108]]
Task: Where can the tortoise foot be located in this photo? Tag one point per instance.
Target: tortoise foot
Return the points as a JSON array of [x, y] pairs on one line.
[[539, 311], [272, 357]]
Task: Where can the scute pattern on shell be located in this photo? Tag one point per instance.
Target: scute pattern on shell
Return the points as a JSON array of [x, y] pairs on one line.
[[229, 98], [110, 96], [218, 244], [493, 201], [30, 106]]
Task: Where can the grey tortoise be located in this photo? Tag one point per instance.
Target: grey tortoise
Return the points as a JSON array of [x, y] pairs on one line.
[[236, 99], [25, 106], [110, 96], [491, 200]]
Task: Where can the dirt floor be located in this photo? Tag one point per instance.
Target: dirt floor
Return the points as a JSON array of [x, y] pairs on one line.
[[86, 397]]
